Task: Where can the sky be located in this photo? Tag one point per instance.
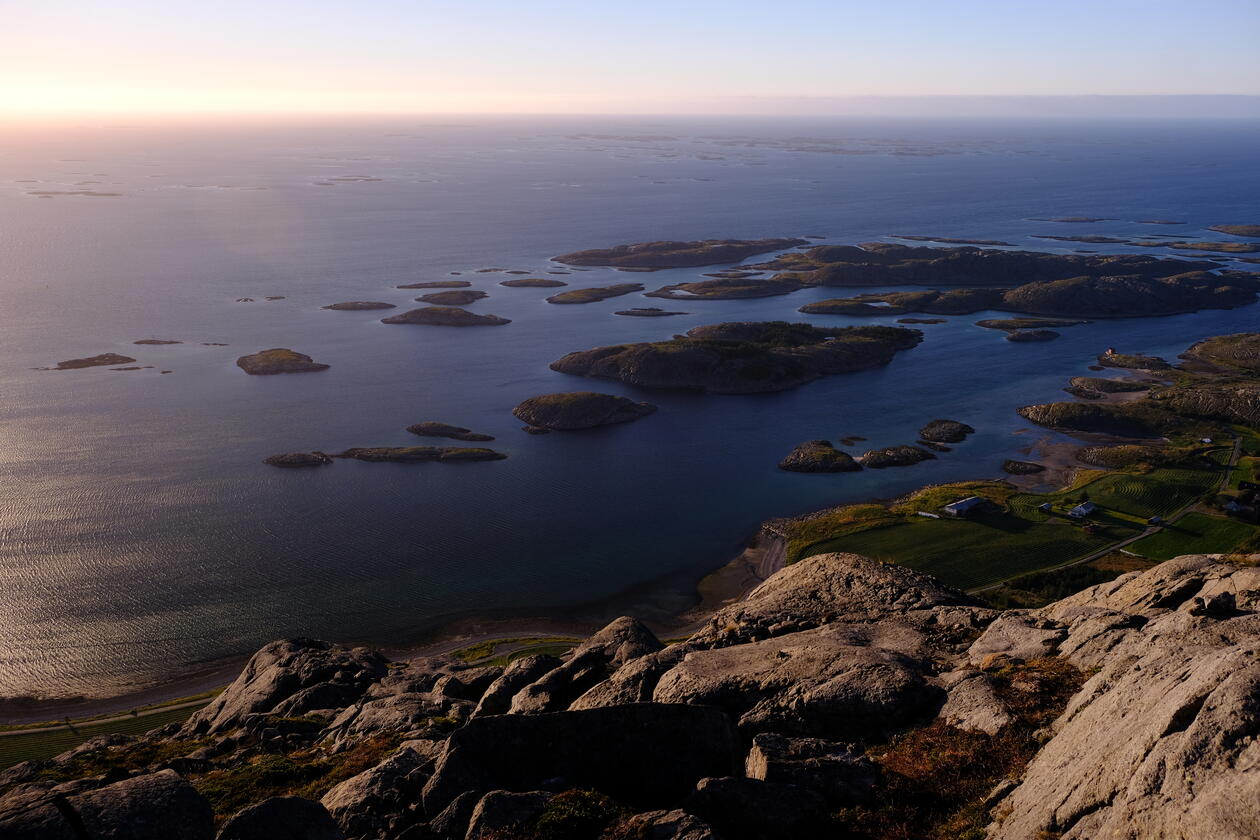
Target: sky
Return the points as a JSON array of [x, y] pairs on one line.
[[606, 56]]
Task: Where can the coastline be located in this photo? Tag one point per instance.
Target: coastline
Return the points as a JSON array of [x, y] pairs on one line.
[[657, 603]]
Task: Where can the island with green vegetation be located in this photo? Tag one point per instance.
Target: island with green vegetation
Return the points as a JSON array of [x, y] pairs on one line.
[[533, 283], [446, 316], [647, 312], [432, 428], [578, 410], [298, 460], [595, 294], [438, 284], [742, 357], [420, 454], [358, 305], [1020, 336], [1237, 230], [454, 297], [278, 360], [656, 255], [93, 361], [818, 456]]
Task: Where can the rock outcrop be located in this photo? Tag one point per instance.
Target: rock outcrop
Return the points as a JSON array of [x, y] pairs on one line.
[[840, 694], [278, 360], [815, 456], [580, 410], [446, 316]]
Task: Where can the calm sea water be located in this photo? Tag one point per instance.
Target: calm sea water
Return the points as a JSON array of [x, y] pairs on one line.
[[139, 532]]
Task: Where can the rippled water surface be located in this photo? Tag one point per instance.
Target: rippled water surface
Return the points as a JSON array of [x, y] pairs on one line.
[[140, 534]]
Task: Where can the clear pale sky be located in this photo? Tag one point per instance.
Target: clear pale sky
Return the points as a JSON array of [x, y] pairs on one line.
[[330, 56]]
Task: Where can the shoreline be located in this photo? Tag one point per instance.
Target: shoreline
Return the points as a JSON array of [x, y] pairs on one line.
[[657, 603], [672, 606]]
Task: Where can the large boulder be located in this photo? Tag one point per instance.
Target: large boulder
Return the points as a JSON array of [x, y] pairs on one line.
[[282, 818], [838, 773], [750, 809], [502, 812], [592, 662], [663, 825], [283, 669], [635, 681], [497, 698], [1018, 635], [378, 798], [1164, 741], [829, 588], [839, 681], [971, 703], [645, 754], [157, 806]]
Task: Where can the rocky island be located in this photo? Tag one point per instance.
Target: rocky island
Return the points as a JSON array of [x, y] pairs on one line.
[[656, 255], [93, 361], [1237, 230], [1077, 297], [818, 456], [895, 456], [455, 297], [419, 454], [298, 459], [533, 283], [595, 294], [278, 360], [742, 357], [946, 431], [1020, 336], [438, 284], [432, 428], [358, 305], [580, 410], [647, 312], [156, 342], [446, 316]]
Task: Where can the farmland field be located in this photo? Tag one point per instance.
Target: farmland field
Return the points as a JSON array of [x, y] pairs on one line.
[[1194, 533], [979, 551]]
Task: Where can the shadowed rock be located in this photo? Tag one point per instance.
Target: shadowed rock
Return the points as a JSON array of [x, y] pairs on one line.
[[432, 428], [658, 752], [282, 818]]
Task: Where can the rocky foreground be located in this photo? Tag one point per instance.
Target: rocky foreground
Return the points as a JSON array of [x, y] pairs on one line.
[[842, 698]]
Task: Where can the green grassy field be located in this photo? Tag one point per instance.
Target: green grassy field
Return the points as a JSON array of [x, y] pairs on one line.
[[1194, 533], [969, 553], [1157, 493], [36, 745]]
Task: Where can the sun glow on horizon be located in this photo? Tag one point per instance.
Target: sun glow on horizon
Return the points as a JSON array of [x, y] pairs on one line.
[[94, 57]]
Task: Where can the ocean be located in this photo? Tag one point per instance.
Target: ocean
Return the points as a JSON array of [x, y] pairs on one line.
[[140, 534]]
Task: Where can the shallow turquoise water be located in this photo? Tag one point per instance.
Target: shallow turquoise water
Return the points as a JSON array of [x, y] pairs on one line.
[[140, 535]]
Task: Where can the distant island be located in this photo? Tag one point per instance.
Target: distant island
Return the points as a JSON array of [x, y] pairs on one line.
[[742, 357], [278, 360], [446, 316], [655, 255]]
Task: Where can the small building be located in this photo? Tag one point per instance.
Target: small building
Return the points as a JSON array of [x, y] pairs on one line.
[[1205, 440], [1155, 520], [1045, 507], [1082, 510], [966, 507]]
